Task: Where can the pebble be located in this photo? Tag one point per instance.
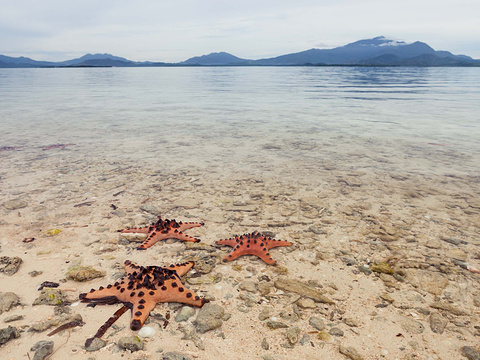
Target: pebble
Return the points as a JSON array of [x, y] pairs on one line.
[[185, 313], [302, 289], [350, 352], [306, 303], [325, 336], [96, 344], [7, 301], [54, 321], [52, 297], [13, 318], [265, 313], [336, 331], [438, 323], [132, 343], [364, 270], [470, 353], [272, 324], [293, 335], [7, 334], [411, 326], [316, 323], [265, 345], [83, 273], [209, 318], [42, 349], [248, 285], [10, 265], [174, 356], [305, 339], [146, 332], [15, 204]]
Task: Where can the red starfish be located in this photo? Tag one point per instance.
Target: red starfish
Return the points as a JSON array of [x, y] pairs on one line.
[[252, 244], [162, 230], [143, 288]]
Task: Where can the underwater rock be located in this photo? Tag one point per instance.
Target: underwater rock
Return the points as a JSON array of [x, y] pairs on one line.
[[42, 349], [8, 334], [209, 318], [293, 335], [185, 313], [96, 344], [350, 353], [131, 343], [10, 265], [316, 323], [7, 301], [52, 297], [302, 289], [272, 324], [54, 321], [83, 273], [438, 323]]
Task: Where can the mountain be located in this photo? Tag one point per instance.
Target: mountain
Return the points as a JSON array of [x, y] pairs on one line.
[[378, 51], [218, 58]]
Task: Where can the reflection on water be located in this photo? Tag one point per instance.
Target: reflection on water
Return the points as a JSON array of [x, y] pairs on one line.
[[220, 114]]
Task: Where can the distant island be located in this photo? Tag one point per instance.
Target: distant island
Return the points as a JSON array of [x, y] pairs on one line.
[[378, 51]]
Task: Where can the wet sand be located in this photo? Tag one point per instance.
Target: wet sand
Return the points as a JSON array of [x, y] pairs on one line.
[[409, 211]]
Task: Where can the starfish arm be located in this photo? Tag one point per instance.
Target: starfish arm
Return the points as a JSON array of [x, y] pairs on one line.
[[140, 311], [173, 291], [182, 269], [229, 242], [271, 243], [189, 225], [103, 295], [138, 230]]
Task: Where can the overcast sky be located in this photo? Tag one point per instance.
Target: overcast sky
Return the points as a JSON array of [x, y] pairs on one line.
[[176, 30]]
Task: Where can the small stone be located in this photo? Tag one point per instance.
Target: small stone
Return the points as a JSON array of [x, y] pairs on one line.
[[10, 265], [146, 332], [325, 336], [317, 323], [35, 273], [13, 318], [83, 273], [350, 322], [54, 321], [293, 335], [132, 343], [265, 313], [411, 326], [306, 303], [275, 324], [96, 344], [7, 301], [382, 267], [209, 318], [350, 352], [438, 323], [302, 289], [248, 285], [264, 287], [185, 313], [42, 349], [8, 334], [305, 339], [470, 353], [52, 297], [455, 310], [174, 356], [364, 270], [336, 331], [265, 345], [15, 204]]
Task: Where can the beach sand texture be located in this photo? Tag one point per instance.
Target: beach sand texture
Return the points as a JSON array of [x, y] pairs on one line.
[[384, 262]]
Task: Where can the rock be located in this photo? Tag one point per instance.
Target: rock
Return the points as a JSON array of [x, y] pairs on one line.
[[272, 324], [265, 345], [476, 300], [185, 313], [264, 287], [470, 353], [293, 335], [174, 356], [54, 321], [336, 331], [8, 334], [306, 303], [15, 204], [96, 344], [209, 318], [382, 267], [305, 339], [350, 352], [132, 343], [325, 336], [248, 285], [52, 297], [146, 332], [302, 289], [455, 310], [317, 323], [432, 282], [411, 326], [42, 349], [7, 301], [438, 323], [13, 318], [364, 269], [10, 265], [83, 273], [35, 273], [265, 313]]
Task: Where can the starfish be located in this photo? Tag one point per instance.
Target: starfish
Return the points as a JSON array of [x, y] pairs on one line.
[[143, 288], [252, 244], [162, 230]]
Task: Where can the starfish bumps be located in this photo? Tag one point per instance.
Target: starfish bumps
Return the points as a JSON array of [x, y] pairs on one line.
[[162, 230], [252, 244], [143, 288]]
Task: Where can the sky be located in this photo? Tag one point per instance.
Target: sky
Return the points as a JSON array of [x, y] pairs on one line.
[[175, 30]]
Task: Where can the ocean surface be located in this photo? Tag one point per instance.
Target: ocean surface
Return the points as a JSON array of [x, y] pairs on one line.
[[424, 120]]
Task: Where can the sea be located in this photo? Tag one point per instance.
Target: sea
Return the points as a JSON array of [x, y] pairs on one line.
[[392, 119]]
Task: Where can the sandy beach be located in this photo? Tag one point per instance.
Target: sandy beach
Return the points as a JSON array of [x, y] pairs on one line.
[[384, 262]]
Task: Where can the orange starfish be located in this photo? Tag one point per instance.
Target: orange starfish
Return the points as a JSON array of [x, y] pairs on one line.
[[143, 288], [252, 244], [162, 230]]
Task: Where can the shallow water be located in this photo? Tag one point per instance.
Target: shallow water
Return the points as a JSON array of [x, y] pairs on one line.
[[420, 119]]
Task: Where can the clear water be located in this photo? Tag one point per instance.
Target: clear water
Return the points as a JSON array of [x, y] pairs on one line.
[[416, 119]]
